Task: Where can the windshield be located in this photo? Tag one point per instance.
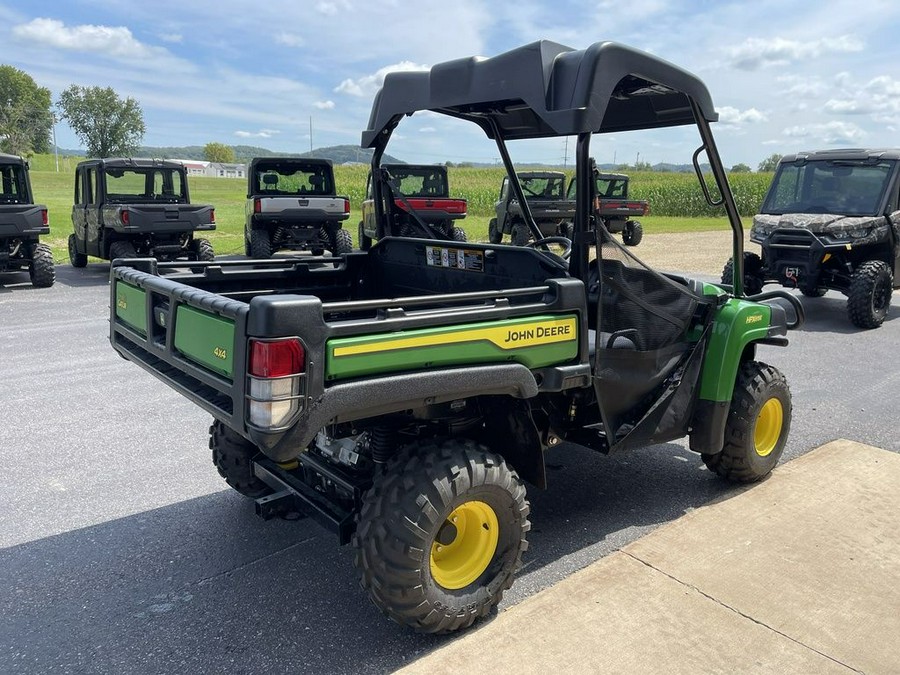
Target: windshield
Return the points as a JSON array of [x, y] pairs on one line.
[[543, 187], [846, 187], [420, 181], [292, 179], [606, 187], [12, 184], [143, 185]]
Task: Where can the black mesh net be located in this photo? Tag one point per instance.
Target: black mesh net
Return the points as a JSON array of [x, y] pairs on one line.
[[650, 309]]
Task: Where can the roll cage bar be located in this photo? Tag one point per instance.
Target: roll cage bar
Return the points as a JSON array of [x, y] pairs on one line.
[[545, 89]]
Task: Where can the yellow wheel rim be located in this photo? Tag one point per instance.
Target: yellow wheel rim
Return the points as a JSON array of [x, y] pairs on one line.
[[465, 545], [768, 427]]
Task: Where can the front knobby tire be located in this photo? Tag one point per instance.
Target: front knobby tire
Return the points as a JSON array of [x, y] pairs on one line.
[[233, 454], [42, 271], [870, 294], [365, 241], [75, 258], [441, 534], [495, 234], [758, 424], [753, 279]]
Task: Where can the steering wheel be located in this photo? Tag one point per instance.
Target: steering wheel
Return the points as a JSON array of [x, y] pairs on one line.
[[565, 242]]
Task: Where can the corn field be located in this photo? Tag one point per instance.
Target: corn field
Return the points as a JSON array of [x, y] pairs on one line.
[[669, 194]]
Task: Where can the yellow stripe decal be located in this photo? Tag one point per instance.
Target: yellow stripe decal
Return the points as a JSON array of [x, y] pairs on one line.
[[516, 336]]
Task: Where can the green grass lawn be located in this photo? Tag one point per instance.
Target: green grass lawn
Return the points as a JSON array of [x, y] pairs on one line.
[[227, 195]]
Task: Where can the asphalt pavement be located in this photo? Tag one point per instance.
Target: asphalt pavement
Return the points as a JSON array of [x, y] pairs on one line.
[[121, 549]]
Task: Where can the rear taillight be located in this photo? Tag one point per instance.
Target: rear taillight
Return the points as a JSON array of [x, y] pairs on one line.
[[124, 215], [646, 209], [212, 216], [257, 206], [277, 382], [346, 206], [45, 217]]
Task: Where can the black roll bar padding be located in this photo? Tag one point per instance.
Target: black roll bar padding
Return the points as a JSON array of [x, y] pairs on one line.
[[792, 299]]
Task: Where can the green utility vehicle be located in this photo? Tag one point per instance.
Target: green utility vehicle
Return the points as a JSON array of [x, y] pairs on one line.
[[22, 222], [404, 395]]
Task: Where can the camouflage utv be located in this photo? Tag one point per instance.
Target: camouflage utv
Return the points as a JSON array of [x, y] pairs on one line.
[[831, 221]]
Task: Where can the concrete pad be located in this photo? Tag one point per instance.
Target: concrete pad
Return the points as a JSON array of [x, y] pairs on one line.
[[796, 574], [813, 552], [621, 616]]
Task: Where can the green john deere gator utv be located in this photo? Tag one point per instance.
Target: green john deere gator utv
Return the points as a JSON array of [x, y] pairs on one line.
[[402, 396]]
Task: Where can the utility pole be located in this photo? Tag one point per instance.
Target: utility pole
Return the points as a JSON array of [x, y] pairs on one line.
[[55, 146], [310, 133]]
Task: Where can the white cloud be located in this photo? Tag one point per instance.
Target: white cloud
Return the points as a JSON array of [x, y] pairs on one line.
[[796, 85], [289, 39], [427, 130], [734, 117], [262, 133], [757, 53], [176, 38], [331, 8], [115, 41], [368, 85], [324, 105], [847, 106], [831, 133]]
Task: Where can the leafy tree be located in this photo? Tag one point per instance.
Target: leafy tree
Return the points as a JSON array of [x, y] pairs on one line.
[[769, 163], [218, 152], [25, 116], [740, 168], [106, 124]]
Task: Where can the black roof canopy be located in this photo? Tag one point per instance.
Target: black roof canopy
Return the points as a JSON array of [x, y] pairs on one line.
[[547, 89]]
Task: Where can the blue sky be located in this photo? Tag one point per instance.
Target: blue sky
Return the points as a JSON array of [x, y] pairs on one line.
[[784, 76]]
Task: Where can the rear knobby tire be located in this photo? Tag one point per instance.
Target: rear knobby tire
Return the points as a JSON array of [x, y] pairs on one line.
[[122, 249], [870, 294], [260, 244], [633, 233], [422, 570], [759, 420], [520, 234], [495, 234], [41, 271], [753, 279], [232, 454], [341, 242], [75, 258], [203, 250], [458, 234]]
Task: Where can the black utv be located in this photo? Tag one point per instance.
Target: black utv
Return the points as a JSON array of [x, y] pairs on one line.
[[21, 224], [137, 207], [831, 221]]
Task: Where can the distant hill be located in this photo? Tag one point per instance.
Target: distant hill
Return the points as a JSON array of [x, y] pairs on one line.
[[351, 154], [339, 154]]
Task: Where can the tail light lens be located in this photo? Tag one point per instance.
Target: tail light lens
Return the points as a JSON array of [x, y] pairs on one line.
[[44, 217], [125, 216], [212, 216], [257, 206], [276, 373], [346, 206]]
